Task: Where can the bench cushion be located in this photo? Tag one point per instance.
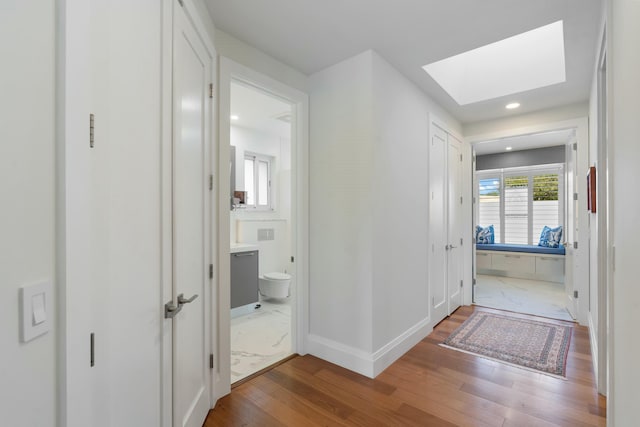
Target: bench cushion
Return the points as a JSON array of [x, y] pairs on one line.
[[505, 247]]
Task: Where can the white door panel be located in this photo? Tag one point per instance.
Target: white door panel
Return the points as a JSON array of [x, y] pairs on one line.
[[437, 221], [571, 228], [191, 204], [454, 224], [445, 224]]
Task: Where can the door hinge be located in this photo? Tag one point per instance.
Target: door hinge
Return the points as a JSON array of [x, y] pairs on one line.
[[460, 199], [210, 182], [575, 146], [575, 294], [461, 283], [575, 245], [575, 196], [473, 281], [474, 200], [460, 157], [210, 90], [210, 271], [292, 258], [460, 241], [91, 130], [211, 361], [92, 350]]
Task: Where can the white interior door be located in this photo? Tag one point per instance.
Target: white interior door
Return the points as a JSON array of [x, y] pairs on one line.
[[454, 224], [571, 227], [191, 223], [437, 224]]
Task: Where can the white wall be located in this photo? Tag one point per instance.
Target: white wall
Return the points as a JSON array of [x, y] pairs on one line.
[[400, 203], [247, 55], [624, 91], [27, 179], [567, 112], [341, 206], [369, 210]]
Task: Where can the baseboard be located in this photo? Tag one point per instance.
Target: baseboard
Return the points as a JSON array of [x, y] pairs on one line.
[[391, 352], [362, 362], [348, 357]]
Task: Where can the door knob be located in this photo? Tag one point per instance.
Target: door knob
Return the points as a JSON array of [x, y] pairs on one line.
[[182, 300], [452, 247]]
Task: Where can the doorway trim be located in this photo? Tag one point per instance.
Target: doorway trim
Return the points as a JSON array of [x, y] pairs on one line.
[[230, 70], [581, 282], [600, 344]]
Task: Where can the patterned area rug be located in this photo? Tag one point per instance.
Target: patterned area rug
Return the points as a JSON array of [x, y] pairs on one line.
[[529, 344]]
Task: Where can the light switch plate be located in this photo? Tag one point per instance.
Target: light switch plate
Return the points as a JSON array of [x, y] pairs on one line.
[[36, 310]]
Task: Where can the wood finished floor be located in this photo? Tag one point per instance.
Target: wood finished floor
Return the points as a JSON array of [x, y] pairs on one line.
[[428, 386]]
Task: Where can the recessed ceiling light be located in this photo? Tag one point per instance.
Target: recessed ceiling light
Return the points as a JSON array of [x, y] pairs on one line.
[[512, 105], [234, 117], [509, 148], [516, 64]]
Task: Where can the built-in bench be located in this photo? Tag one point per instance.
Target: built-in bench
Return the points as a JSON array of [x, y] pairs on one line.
[[521, 261]]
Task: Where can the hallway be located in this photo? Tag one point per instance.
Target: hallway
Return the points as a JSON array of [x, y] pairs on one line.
[[429, 385]]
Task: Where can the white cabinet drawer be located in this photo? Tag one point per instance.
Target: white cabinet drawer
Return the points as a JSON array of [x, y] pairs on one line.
[[483, 260], [550, 266], [513, 262]]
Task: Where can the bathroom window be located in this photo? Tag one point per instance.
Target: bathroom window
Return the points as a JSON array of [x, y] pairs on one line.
[[257, 181]]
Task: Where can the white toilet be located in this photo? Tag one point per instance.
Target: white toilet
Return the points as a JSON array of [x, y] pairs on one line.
[[275, 285]]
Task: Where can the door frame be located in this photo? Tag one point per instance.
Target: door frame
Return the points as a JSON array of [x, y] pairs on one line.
[[166, 189], [581, 125], [604, 227], [230, 70]]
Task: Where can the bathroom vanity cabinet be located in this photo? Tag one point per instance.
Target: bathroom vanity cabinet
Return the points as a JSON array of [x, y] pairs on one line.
[[244, 278]]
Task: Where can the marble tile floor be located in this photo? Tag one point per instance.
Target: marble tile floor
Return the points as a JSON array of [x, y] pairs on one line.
[[535, 297], [260, 339]]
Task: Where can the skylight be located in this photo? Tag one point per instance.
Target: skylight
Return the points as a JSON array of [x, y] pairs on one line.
[[523, 62]]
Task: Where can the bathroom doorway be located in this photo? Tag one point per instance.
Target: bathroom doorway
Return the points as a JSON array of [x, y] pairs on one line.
[[262, 252], [260, 230]]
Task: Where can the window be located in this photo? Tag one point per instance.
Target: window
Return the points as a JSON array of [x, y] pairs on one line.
[[489, 212], [519, 202], [516, 210], [257, 181]]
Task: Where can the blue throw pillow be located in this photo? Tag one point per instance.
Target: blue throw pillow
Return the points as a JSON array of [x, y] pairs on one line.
[[485, 236], [550, 237]]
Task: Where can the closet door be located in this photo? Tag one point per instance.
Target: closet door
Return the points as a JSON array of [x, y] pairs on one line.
[[438, 224], [445, 223], [454, 227]]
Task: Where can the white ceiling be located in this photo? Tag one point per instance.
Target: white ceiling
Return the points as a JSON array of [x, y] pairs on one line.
[[311, 35], [524, 142], [259, 111]]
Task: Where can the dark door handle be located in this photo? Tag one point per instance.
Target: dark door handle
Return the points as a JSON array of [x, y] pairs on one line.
[[182, 300]]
